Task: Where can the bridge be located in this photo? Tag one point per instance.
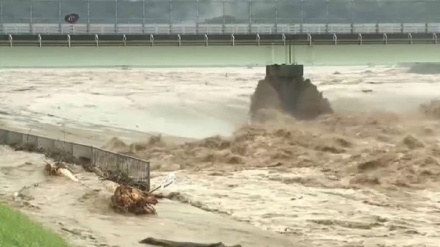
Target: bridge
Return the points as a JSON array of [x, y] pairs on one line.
[[218, 22], [174, 32], [217, 34]]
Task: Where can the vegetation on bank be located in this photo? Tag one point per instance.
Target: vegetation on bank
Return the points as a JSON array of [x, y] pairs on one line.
[[17, 230]]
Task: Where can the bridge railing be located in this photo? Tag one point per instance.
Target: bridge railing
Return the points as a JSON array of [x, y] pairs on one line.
[[18, 28], [171, 12]]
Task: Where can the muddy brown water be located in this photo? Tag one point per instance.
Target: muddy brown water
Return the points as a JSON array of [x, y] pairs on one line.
[[81, 213], [309, 198]]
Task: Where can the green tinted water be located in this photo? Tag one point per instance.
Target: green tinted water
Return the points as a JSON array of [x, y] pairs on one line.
[[215, 56]]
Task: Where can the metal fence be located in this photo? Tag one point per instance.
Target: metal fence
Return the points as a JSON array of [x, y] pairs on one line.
[[220, 11], [105, 160]]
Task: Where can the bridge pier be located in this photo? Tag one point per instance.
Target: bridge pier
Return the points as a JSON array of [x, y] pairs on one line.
[[284, 89]]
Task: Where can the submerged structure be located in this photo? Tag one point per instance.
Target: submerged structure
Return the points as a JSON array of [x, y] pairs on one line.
[[285, 89]]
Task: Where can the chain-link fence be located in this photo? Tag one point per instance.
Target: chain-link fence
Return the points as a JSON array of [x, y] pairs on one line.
[[137, 169], [220, 11]]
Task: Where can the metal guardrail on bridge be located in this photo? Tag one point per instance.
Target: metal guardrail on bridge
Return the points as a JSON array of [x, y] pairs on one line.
[[215, 35], [68, 40], [209, 29]]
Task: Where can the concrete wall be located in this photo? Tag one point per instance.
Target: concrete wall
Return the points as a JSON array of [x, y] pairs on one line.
[[106, 160], [215, 56]]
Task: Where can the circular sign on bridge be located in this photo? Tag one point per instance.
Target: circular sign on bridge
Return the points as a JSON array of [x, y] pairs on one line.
[[71, 18]]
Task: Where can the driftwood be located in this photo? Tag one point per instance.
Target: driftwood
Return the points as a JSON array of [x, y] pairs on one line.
[[130, 196], [168, 243], [59, 169], [127, 199]]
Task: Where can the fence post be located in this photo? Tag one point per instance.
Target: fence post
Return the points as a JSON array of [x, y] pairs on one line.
[[380, 17], [116, 16], [126, 164], [143, 16], [198, 16], [250, 15], [118, 163], [276, 16], [60, 15], [93, 156], [170, 14], [148, 175], [224, 17], [352, 17], [88, 16], [122, 166], [1, 12], [327, 15], [302, 16], [31, 16]]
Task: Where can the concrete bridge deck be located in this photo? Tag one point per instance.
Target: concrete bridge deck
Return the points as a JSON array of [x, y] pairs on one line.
[[214, 56]]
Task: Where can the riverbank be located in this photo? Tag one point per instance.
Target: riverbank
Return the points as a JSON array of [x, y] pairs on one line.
[[18, 230]]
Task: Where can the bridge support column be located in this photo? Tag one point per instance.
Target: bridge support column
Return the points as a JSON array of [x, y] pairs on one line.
[[285, 89], [285, 71]]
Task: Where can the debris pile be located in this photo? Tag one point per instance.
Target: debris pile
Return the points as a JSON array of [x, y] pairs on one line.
[[127, 199], [130, 196]]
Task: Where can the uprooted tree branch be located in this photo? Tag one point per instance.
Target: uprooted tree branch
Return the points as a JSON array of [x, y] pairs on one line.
[[127, 199], [130, 196]]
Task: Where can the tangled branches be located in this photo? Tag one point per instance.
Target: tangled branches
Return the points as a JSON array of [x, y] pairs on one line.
[[130, 196], [129, 199]]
